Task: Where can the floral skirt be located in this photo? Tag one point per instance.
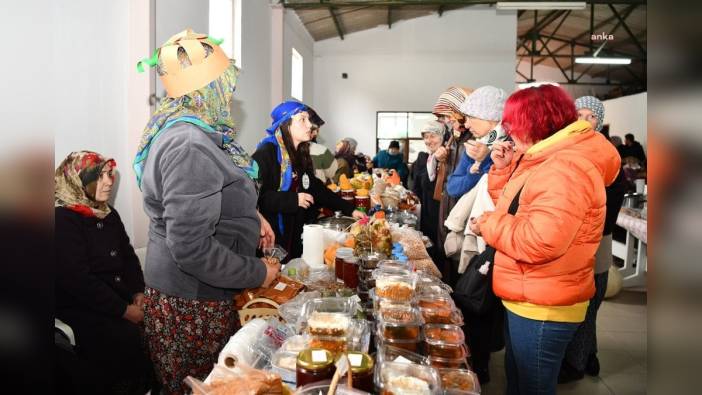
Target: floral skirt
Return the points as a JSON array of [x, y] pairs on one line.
[[185, 336]]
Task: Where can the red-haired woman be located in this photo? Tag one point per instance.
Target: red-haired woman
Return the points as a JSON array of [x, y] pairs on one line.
[[545, 252]]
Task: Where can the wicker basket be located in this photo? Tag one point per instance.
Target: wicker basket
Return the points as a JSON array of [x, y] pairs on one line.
[[247, 314]]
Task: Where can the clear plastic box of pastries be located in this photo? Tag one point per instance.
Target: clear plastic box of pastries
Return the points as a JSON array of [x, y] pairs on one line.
[[396, 287], [459, 382], [407, 378]]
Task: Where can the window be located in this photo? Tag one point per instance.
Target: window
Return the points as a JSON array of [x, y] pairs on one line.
[[221, 25], [405, 127], [296, 75]]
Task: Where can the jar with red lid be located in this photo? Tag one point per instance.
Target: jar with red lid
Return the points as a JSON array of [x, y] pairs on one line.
[[348, 194]]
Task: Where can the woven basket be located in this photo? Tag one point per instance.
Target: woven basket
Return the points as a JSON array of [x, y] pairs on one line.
[[247, 314]]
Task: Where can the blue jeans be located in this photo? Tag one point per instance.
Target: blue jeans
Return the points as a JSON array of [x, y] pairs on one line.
[[533, 355]]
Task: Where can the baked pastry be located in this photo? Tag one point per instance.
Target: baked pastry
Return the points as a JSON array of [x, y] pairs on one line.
[[328, 324]]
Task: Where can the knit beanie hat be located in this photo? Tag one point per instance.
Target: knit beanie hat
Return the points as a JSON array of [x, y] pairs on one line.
[[352, 143], [486, 102], [450, 101], [434, 127], [593, 104]]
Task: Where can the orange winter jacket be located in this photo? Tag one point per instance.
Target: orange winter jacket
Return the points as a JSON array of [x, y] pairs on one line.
[[546, 252]]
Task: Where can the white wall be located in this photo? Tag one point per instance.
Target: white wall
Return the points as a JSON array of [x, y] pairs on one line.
[[296, 36], [407, 67], [628, 114], [91, 111], [252, 102]]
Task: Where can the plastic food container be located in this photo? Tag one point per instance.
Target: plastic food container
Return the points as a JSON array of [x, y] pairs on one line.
[[439, 310], [322, 387], [395, 354], [328, 324], [370, 261], [296, 343], [381, 303], [414, 346], [399, 322], [459, 381], [403, 378], [333, 344], [445, 341], [430, 285], [358, 338], [438, 362], [402, 267], [365, 274], [394, 287], [341, 305], [285, 364]]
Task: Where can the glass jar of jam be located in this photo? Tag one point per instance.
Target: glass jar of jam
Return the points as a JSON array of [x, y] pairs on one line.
[[362, 203], [314, 364], [361, 371], [350, 274], [341, 254], [348, 194]]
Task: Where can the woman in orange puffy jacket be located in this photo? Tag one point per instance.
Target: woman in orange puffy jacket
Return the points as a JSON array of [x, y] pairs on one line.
[[543, 268]]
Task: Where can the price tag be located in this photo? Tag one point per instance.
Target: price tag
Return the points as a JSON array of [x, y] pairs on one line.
[[356, 360], [319, 356], [280, 286], [402, 359]]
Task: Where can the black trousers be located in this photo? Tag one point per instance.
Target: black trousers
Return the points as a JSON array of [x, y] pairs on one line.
[[484, 335], [109, 355]]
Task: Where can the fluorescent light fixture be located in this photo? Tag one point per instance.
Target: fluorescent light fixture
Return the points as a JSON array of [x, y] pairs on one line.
[[535, 84], [591, 60], [541, 5]]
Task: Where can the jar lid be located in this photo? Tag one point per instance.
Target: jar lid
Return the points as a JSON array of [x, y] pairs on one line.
[[360, 362], [315, 359]]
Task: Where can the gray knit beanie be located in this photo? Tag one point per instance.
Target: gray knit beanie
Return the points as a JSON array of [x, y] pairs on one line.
[[486, 102], [434, 127], [593, 104], [352, 143]]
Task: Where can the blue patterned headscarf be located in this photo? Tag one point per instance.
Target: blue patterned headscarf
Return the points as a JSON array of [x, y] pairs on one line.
[[208, 108], [281, 113], [595, 105]]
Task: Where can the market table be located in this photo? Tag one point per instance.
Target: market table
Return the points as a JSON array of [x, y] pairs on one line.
[[634, 250]]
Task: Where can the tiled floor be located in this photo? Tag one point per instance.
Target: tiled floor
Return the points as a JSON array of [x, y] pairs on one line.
[[621, 336]]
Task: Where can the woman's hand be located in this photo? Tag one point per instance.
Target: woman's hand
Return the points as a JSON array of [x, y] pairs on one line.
[[476, 151], [138, 299], [305, 200], [474, 224], [134, 314], [441, 153], [357, 214], [267, 235], [502, 154], [272, 271]]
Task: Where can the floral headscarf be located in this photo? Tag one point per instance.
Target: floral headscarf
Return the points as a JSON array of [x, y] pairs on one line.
[[208, 107], [76, 183]]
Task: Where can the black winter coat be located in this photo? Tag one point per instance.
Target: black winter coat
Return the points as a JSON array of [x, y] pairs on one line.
[[272, 202], [97, 269]]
